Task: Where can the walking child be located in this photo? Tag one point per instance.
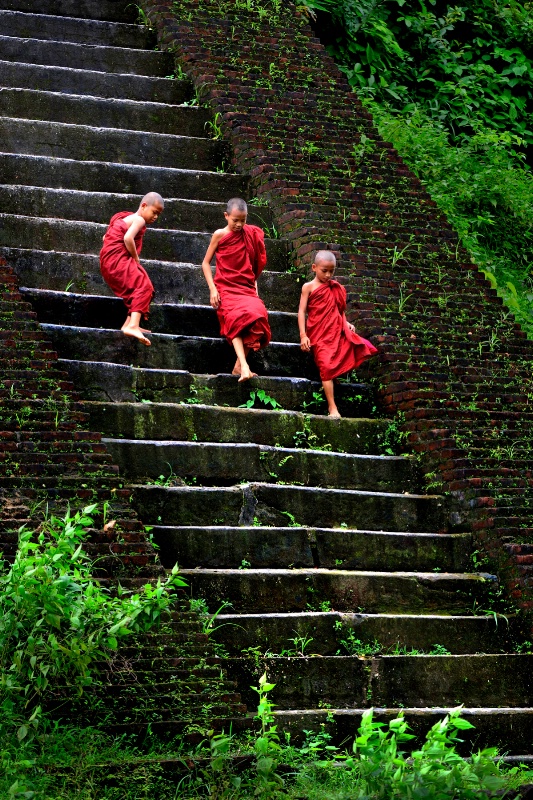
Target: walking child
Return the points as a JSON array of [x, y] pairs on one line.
[[240, 259], [120, 265], [336, 347]]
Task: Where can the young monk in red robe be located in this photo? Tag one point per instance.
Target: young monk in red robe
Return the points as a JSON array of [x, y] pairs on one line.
[[120, 265], [336, 347], [240, 259]]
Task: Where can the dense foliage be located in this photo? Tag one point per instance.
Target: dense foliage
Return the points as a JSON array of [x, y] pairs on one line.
[[452, 87]]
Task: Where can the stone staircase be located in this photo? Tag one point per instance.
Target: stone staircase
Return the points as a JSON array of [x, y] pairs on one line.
[[300, 522]]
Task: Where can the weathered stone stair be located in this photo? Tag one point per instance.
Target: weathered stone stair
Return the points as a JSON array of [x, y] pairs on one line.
[[300, 522]]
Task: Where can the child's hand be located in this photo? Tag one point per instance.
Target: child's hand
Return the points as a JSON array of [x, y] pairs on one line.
[[351, 327], [214, 298], [305, 344]]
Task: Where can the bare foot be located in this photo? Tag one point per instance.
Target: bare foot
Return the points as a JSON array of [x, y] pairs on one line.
[[237, 368], [137, 333], [143, 330], [246, 374], [334, 413]]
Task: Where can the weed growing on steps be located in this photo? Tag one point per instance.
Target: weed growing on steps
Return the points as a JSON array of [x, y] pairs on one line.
[[261, 397]]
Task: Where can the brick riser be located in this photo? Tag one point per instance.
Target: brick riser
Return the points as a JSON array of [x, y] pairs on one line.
[[364, 207]]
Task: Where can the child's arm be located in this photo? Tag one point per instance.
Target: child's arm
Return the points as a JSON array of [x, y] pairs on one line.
[[214, 297], [305, 344], [349, 324], [136, 225]]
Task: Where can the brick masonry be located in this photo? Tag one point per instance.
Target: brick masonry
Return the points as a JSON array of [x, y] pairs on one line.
[[454, 369]]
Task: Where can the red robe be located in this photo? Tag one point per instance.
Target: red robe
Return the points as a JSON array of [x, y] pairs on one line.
[[240, 260], [120, 271], [336, 349]]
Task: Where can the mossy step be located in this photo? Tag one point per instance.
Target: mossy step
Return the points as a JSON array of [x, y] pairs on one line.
[[182, 214], [269, 590], [388, 681], [173, 282], [101, 60], [204, 423], [93, 311], [80, 109], [99, 380], [216, 463], [209, 353], [43, 233], [509, 729], [106, 10], [91, 143], [101, 176], [275, 632], [258, 547], [72, 29]]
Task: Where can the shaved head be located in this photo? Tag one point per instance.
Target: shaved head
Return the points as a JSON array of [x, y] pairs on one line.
[[152, 199], [238, 204], [325, 256]]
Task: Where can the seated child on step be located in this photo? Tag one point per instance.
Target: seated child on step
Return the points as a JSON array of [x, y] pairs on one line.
[[336, 346], [240, 258], [120, 265]]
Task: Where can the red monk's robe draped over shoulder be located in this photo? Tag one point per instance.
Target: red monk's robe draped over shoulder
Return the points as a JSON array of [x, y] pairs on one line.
[[335, 347], [120, 271], [240, 259]]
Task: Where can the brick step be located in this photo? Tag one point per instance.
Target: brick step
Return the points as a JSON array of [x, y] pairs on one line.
[[257, 591], [176, 352], [327, 629], [86, 237], [193, 215], [79, 109], [263, 547], [173, 282], [389, 681], [506, 728], [107, 10], [226, 463], [204, 423], [99, 380], [90, 311], [108, 65], [276, 504], [72, 29], [101, 176], [90, 143], [94, 83]]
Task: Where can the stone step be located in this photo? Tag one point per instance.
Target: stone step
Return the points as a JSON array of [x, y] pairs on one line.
[[72, 29], [90, 311], [328, 629], [227, 547], [99, 176], [97, 112], [175, 352], [509, 729], [108, 10], [193, 215], [92, 82], [275, 590], [89, 143], [173, 282], [99, 380], [42, 233], [80, 57], [278, 505], [228, 463], [204, 423], [415, 681]]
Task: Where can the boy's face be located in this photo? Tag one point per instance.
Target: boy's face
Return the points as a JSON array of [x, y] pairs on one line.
[[150, 213], [324, 270], [235, 219]]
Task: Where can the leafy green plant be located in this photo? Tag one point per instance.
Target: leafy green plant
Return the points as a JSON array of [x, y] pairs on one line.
[[213, 126], [260, 396], [266, 746]]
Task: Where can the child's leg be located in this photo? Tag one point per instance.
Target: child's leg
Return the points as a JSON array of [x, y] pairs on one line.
[[133, 328], [241, 366], [333, 411]]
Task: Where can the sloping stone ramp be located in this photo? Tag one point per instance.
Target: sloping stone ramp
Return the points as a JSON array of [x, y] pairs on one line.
[[300, 522]]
